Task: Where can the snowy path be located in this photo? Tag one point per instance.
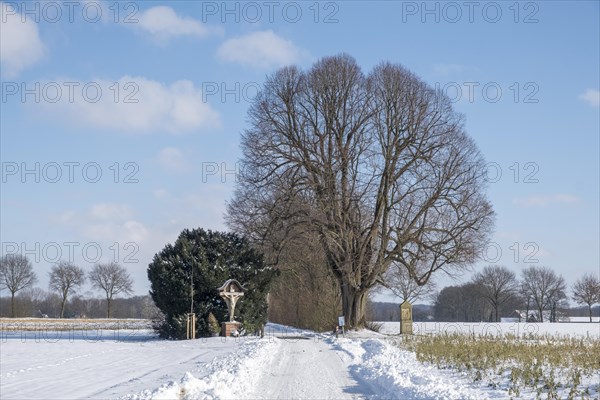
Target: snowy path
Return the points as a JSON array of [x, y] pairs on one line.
[[308, 368], [321, 367]]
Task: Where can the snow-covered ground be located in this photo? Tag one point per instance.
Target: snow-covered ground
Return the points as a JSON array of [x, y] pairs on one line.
[[499, 328], [57, 324], [584, 319], [100, 364], [287, 363], [296, 364]]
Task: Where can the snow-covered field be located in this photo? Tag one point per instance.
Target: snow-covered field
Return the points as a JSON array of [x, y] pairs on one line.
[[499, 328], [287, 363], [57, 324], [97, 364]]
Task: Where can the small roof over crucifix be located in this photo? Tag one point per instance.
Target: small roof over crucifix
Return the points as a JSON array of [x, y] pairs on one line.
[[232, 286]]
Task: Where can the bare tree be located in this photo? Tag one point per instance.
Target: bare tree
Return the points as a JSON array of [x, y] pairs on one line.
[[587, 291], [112, 279], [526, 300], [461, 303], [65, 278], [378, 168], [498, 286], [544, 287], [16, 273], [401, 284]]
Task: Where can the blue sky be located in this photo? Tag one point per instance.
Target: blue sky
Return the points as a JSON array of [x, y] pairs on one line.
[[127, 115]]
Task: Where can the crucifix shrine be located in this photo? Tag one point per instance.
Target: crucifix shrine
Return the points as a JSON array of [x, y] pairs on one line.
[[231, 291]]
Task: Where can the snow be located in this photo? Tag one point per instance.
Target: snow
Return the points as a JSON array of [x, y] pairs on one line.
[[57, 324], [228, 376], [287, 363], [309, 368], [99, 364], [584, 319], [397, 373], [499, 328]]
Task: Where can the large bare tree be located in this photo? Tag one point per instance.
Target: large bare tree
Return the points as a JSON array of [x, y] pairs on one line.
[[111, 278], [498, 286], [65, 278], [544, 287], [378, 168], [587, 291], [16, 273]]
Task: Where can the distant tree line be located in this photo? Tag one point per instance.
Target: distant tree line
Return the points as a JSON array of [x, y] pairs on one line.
[[538, 295], [38, 303], [65, 282], [383, 311]]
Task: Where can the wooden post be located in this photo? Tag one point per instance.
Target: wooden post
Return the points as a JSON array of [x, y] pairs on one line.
[[191, 326]]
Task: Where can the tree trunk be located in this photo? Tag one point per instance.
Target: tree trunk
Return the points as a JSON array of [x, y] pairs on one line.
[[62, 308], [541, 312], [496, 309], [590, 310], [353, 307], [107, 307], [12, 304]]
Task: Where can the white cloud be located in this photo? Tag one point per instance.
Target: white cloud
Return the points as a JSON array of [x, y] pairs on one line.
[[19, 40], [135, 231], [106, 211], [111, 232], [261, 49], [112, 222], [172, 159], [130, 105], [592, 97], [163, 24], [543, 201]]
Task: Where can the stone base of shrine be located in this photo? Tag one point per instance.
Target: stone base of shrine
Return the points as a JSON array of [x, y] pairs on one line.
[[230, 328]]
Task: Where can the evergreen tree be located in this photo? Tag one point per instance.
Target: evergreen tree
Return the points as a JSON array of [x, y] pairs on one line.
[[205, 259]]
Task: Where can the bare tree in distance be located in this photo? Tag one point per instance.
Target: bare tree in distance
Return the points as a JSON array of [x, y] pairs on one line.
[[544, 287], [16, 273], [498, 286], [65, 278], [401, 284], [525, 295], [378, 168], [586, 290], [111, 278], [36, 295]]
